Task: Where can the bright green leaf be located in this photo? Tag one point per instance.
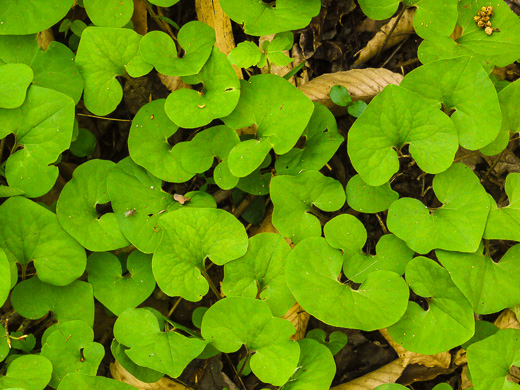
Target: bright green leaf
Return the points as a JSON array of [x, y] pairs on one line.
[[164, 3], [15, 81], [245, 55], [76, 381], [369, 199], [507, 97], [84, 145], [504, 222], [28, 372], [337, 339], [340, 96], [144, 374], [434, 18], [276, 50], [256, 183], [109, 13], [379, 9], [5, 277], [357, 108], [483, 329], [25, 344]]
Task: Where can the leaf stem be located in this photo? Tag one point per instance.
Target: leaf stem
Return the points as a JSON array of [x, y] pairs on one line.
[[210, 282], [102, 117], [385, 230], [243, 365], [2, 145]]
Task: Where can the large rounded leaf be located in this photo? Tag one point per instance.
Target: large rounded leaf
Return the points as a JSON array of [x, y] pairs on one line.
[[234, 321], [395, 118], [434, 18], [76, 208], [312, 273], [31, 233], [81, 381], [28, 372], [5, 277], [109, 13], [449, 320], [144, 374], [293, 198], [379, 9], [458, 225], [190, 236], [15, 81], [504, 222], [369, 199]]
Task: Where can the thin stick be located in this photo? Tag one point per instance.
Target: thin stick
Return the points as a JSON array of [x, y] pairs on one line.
[[174, 306], [385, 230], [387, 37], [102, 117]]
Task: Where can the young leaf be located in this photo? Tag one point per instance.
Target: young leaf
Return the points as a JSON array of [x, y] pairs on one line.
[[84, 145], [281, 113], [234, 321], [340, 96], [293, 198], [337, 339], [76, 208], [190, 236], [434, 18], [245, 55], [197, 40], [369, 199], [503, 223], [261, 273], [275, 51], [379, 9], [33, 234], [312, 271], [118, 292], [257, 183], [70, 348], [144, 374], [397, 117], [464, 87], [33, 299], [448, 322], [76, 381], [5, 277], [189, 108], [168, 352], [15, 81], [29, 372], [489, 286], [109, 13], [458, 225]]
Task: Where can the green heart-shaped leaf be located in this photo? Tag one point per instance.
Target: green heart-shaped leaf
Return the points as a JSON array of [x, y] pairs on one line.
[[279, 110], [489, 286], [168, 352], [458, 83], [189, 108], [322, 140], [76, 208], [245, 55], [118, 292], [234, 321], [293, 198], [312, 271], [379, 9], [261, 273], [33, 299], [29, 372], [32, 233], [434, 18], [197, 40], [5, 277], [190, 236], [15, 81], [144, 374], [70, 348], [337, 339], [397, 117], [76, 381], [458, 225], [257, 183], [369, 199], [109, 13], [503, 223]]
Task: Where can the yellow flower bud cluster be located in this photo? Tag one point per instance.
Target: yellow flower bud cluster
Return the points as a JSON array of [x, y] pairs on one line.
[[483, 20]]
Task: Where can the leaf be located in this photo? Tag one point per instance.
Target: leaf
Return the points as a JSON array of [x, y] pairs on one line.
[[434, 18], [337, 339], [281, 42], [489, 286], [312, 271], [118, 292], [234, 321], [322, 140], [379, 9], [15, 81], [109, 13], [464, 87], [33, 299], [103, 54], [503, 222], [511, 116], [189, 108], [164, 3], [197, 40], [447, 323], [70, 348], [31, 16], [29, 372], [369, 199], [293, 198], [84, 145], [190, 236], [458, 225], [340, 96], [316, 368], [168, 352], [32, 233], [5, 277], [245, 55], [143, 374], [490, 360], [80, 381], [347, 233], [264, 19], [281, 113], [395, 118], [257, 183], [261, 273]]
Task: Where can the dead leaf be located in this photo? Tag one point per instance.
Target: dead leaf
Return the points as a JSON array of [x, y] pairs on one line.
[[507, 320], [402, 31], [504, 162], [299, 318], [465, 382], [386, 374], [460, 357], [442, 359], [122, 375], [180, 198], [419, 373], [140, 17], [173, 83], [45, 38]]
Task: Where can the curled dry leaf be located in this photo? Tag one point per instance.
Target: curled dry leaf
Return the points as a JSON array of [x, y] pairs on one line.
[[45, 38], [362, 84], [418, 373], [402, 31], [139, 17], [173, 83], [121, 374], [180, 198], [507, 320], [387, 374], [299, 318], [442, 359]]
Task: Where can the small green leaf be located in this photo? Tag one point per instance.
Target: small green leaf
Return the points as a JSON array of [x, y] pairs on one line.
[[109, 13], [84, 145], [5, 277], [118, 292], [489, 286], [379, 9], [313, 270], [234, 321], [357, 108], [33, 299], [245, 55], [395, 118], [458, 225], [281, 42], [503, 222], [369, 199], [434, 18], [261, 273], [25, 343], [15, 81], [76, 381], [189, 108], [190, 236], [77, 27], [33, 234], [293, 198], [164, 3], [257, 183], [29, 372], [337, 339], [144, 374], [70, 348], [340, 96], [197, 40]]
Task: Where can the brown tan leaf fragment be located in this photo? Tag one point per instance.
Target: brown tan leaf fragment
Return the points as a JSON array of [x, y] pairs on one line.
[[122, 375], [389, 373]]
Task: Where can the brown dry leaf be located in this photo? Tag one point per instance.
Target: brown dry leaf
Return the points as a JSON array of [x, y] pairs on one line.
[[140, 17], [442, 359], [465, 382], [121, 374], [362, 84], [299, 318], [173, 83], [507, 320], [460, 357], [402, 31], [507, 161], [386, 374], [45, 38], [418, 373]]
